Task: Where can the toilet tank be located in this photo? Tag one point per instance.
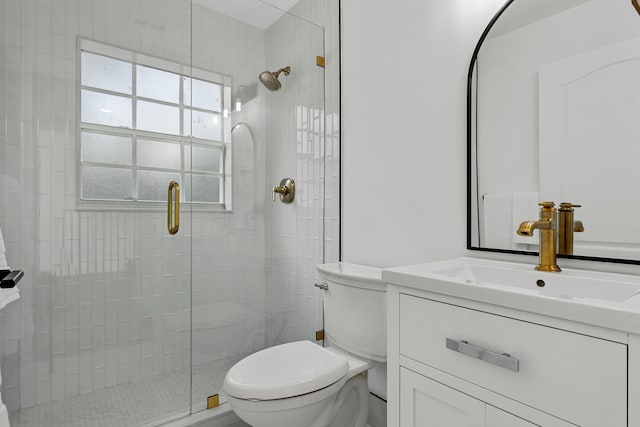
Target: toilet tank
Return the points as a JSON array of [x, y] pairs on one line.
[[355, 309]]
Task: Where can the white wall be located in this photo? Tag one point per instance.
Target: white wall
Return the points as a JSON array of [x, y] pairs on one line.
[[404, 68]]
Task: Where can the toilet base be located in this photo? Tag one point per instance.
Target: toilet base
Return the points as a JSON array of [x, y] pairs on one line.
[[334, 406], [354, 409]]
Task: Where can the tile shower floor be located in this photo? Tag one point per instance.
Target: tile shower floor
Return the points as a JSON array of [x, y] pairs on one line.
[[129, 404]]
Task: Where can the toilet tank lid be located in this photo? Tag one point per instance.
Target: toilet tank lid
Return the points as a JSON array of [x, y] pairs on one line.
[[353, 275], [284, 371]]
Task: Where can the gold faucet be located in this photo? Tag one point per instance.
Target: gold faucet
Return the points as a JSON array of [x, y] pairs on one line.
[[547, 227], [566, 227]]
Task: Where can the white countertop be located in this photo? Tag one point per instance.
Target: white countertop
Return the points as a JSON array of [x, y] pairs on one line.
[[618, 315]]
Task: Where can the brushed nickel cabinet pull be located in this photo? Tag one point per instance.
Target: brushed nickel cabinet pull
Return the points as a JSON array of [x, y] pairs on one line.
[[173, 208], [503, 360]]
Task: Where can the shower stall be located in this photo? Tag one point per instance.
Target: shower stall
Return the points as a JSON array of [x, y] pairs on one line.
[[138, 153]]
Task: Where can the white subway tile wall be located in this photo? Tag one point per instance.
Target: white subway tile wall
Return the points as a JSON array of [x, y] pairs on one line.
[[302, 137], [107, 296]]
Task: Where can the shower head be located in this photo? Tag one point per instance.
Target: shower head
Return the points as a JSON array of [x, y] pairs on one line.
[[270, 79]]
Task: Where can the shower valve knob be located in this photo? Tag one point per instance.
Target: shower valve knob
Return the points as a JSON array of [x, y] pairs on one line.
[[286, 189]]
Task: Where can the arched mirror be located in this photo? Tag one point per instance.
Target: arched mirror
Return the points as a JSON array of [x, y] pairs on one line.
[[554, 114]]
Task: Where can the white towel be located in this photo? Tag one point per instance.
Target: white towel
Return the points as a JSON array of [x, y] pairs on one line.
[[496, 221], [3, 253], [4, 416], [6, 295], [525, 208]]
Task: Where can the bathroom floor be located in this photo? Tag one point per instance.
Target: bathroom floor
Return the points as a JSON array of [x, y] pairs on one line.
[[129, 404]]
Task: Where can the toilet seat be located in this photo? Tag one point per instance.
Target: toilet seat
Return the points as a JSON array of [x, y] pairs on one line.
[[285, 371]]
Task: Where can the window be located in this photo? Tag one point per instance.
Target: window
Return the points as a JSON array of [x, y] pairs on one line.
[[145, 122]]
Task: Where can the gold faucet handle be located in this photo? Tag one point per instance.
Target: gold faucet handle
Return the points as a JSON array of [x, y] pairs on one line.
[[578, 227], [568, 206]]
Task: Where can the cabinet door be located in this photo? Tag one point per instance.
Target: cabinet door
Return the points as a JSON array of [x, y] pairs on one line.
[[498, 418], [426, 403], [572, 376]]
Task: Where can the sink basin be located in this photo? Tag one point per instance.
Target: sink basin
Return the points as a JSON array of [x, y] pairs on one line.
[[594, 298], [521, 278]]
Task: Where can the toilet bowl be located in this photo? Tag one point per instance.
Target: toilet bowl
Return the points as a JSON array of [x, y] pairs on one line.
[[297, 384], [302, 384]]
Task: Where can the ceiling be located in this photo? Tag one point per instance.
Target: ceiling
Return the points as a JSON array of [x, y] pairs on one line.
[[522, 13], [257, 13]]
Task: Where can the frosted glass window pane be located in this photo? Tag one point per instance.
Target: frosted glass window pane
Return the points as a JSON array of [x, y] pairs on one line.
[[157, 154], [152, 186], [159, 118], [186, 89], [100, 148], [106, 73], [103, 109], [106, 183], [157, 84], [203, 159], [202, 94], [203, 125], [203, 189]]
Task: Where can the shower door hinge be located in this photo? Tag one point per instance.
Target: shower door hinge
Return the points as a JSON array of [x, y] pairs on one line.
[[213, 401], [320, 61], [320, 335]]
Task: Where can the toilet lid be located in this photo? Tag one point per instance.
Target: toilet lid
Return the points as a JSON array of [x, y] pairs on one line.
[[283, 371]]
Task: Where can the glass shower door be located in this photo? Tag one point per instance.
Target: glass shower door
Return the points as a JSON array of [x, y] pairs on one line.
[[94, 97], [254, 259]]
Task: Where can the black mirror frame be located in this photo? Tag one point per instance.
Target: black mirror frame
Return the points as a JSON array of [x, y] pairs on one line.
[[470, 191]]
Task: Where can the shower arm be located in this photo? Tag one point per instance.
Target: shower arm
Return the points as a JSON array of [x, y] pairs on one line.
[[636, 5], [287, 70]]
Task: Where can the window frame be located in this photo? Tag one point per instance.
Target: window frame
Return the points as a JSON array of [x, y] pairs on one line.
[[183, 71]]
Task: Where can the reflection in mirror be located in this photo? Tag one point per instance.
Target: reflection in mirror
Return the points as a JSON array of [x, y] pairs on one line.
[[554, 106]]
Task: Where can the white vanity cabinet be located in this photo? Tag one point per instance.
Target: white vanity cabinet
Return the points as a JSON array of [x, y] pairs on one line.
[[455, 362], [497, 418], [425, 402]]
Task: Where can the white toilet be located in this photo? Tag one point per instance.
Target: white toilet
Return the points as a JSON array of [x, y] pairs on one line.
[[302, 384]]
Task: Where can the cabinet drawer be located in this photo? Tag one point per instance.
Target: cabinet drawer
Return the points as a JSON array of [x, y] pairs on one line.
[[577, 378]]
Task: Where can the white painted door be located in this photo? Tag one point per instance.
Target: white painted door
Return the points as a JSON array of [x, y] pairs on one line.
[[427, 403], [589, 106]]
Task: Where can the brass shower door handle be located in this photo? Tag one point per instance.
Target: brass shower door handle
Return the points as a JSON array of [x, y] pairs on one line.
[[173, 207]]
